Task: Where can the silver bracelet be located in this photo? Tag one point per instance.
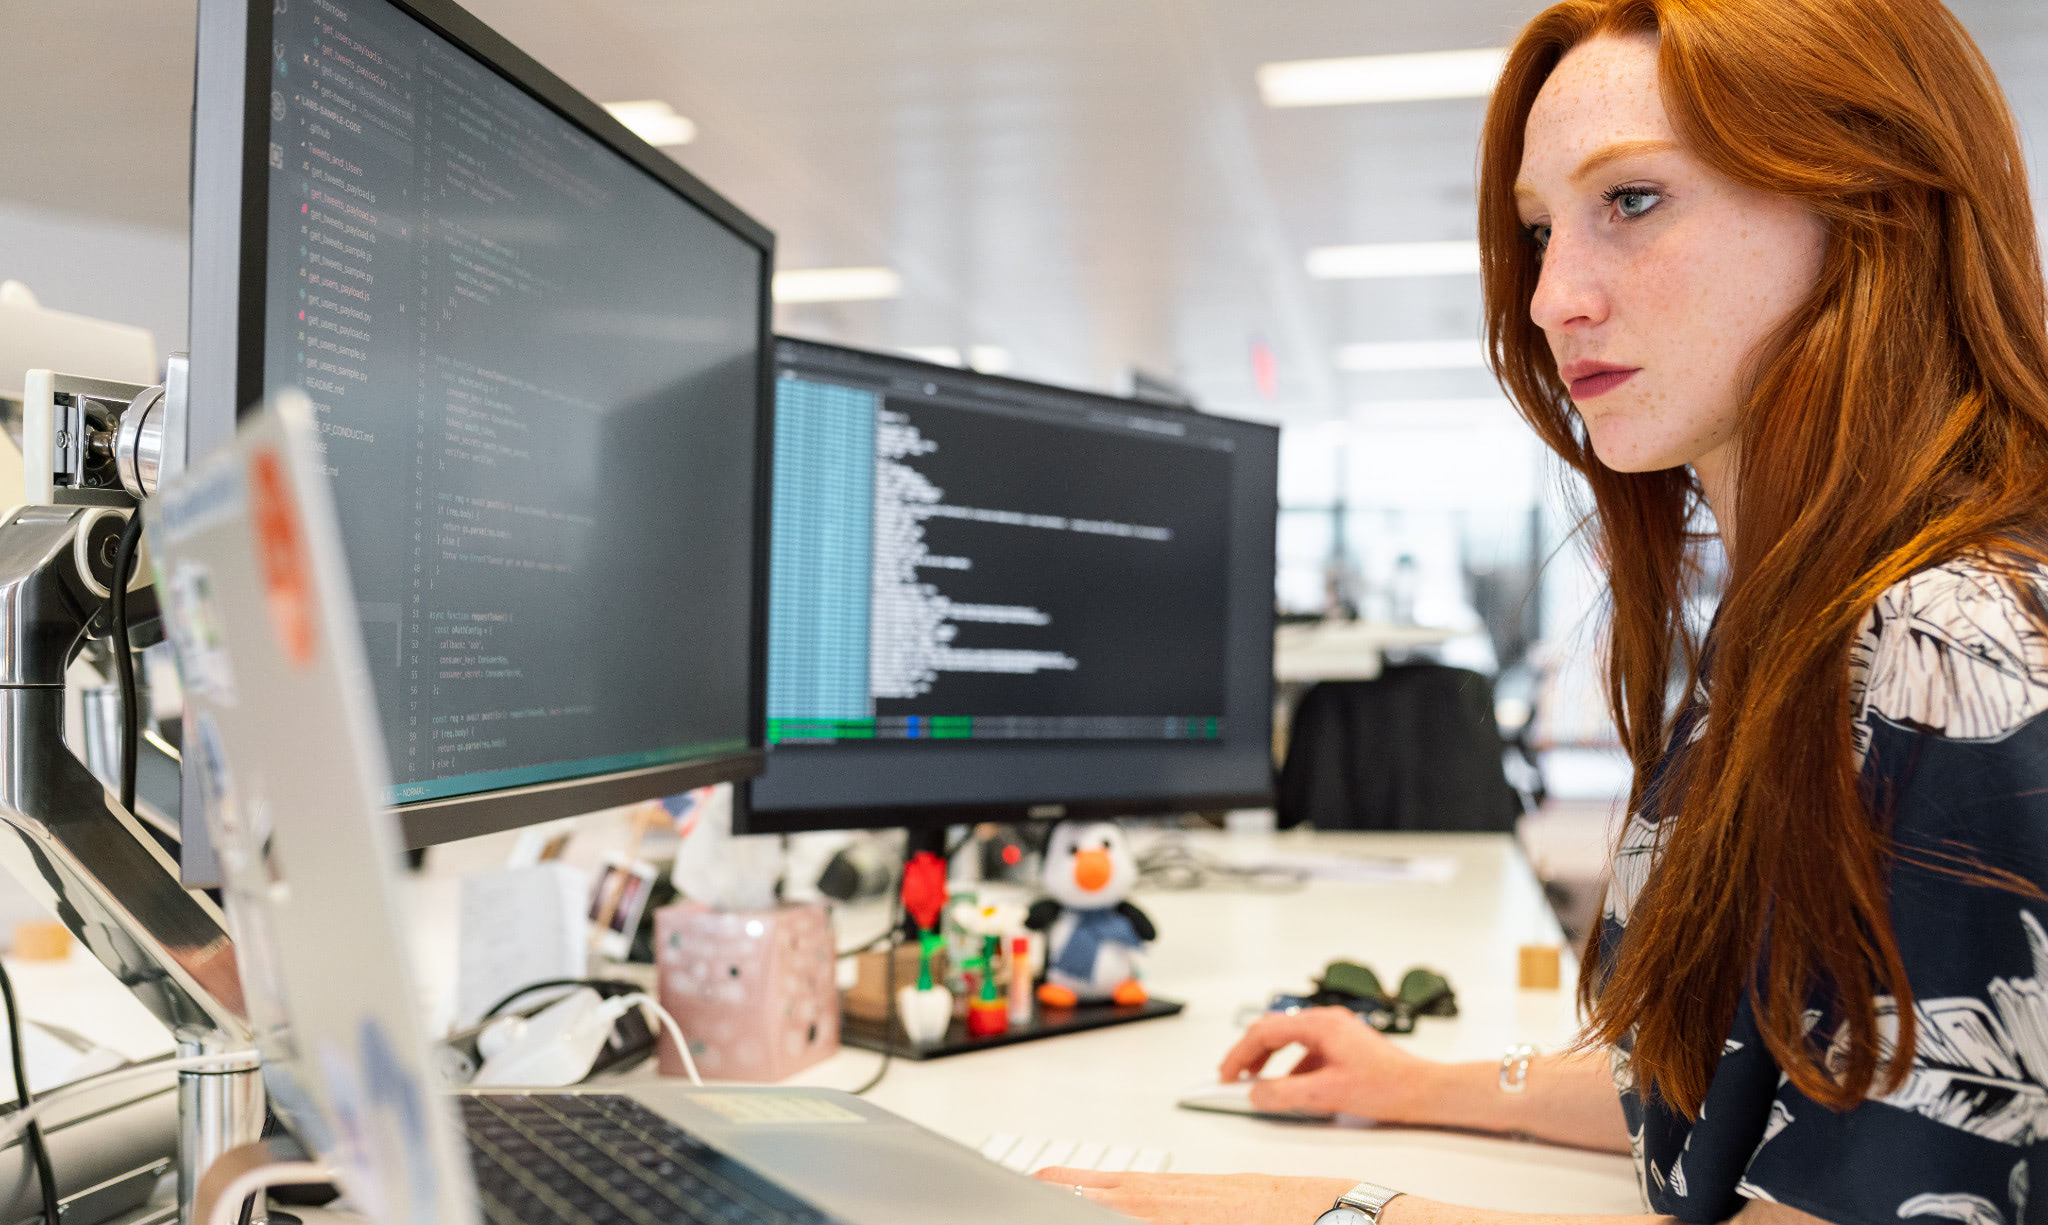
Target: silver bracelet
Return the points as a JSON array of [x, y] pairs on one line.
[[1514, 1067]]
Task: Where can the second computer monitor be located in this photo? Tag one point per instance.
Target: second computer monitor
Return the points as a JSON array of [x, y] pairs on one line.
[[998, 599]]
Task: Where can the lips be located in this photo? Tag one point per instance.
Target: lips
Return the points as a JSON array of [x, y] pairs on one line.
[[1589, 379], [1598, 384]]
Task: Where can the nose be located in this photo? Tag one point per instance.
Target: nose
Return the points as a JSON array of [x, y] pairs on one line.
[[1570, 292], [1091, 869]]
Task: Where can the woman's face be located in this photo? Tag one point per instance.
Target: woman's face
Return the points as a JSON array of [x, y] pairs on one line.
[[1661, 278]]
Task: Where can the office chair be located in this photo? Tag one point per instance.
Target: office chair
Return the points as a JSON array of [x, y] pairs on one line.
[[1417, 748]]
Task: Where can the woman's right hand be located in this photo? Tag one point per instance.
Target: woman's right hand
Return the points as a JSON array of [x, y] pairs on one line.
[[1349, 1068]]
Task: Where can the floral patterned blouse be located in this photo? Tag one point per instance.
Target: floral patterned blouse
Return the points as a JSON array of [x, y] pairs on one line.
[[1950, 681]]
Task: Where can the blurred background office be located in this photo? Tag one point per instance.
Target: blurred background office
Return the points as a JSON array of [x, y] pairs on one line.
[[1264, 210]]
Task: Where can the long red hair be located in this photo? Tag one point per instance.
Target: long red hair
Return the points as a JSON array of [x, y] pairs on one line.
[[1898, 420]]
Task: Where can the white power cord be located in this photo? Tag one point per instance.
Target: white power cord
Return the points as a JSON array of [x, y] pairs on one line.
[[226, 1205], [18, 1122], [668, 1023]]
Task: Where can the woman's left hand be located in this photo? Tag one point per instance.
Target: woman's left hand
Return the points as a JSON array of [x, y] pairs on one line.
[[1206, 1199]]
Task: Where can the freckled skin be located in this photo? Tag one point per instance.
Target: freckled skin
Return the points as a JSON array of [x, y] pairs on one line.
[[1687, 290]]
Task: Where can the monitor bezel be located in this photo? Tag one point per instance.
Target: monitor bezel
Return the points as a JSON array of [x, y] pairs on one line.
[[229, 196], [747, 818]]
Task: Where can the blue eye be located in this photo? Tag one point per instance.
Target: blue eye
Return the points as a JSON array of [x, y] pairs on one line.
[[1538, 234], [1632, 201]]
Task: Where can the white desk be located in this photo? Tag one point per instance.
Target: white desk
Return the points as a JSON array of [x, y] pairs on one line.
[[1221, 951], [1344, 650]]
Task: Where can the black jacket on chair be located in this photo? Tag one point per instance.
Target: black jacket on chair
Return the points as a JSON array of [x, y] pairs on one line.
[[1415, 749]]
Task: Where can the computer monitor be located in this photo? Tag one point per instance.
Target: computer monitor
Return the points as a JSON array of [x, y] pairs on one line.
[[538, 353], [997, 600]]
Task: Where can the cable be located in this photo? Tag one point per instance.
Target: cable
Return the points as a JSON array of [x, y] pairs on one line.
[[675, 1031], [890, 935], [124, 656], [889, 972], [243, 1188], [895, 938], [24, 1118], [620, 986], [888, 1020], [38, 1151], [1172, 863], [889, 994]]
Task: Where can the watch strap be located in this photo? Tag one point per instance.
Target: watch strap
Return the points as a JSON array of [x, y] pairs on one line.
[[1369, 1198]]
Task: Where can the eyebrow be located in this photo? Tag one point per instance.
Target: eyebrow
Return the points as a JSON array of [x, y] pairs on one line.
[[1604, 156]]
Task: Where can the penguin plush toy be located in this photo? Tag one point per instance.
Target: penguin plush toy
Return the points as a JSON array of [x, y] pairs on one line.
[[1094, 935]]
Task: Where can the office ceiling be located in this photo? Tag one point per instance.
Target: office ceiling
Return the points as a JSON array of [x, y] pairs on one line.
[[1090, 184]]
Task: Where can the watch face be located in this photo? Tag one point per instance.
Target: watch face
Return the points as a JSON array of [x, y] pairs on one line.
[[1343, 1214]]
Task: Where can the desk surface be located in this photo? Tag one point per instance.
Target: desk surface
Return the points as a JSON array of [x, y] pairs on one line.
[[1344, 650], [1223, 951]]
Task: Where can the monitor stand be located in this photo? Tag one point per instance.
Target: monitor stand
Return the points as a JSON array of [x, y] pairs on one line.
[[887, 1036]]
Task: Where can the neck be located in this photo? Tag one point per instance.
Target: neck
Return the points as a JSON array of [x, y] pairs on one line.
[[1716, 473]]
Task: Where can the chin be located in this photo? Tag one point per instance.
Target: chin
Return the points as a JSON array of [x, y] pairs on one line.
[[1633, 461], [1626, 454]]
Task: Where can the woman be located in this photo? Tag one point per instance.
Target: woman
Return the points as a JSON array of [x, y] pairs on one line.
[[1771, 260]]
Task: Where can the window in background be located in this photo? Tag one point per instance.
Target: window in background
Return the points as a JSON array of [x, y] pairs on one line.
[[1306, 535], [1418, 513]]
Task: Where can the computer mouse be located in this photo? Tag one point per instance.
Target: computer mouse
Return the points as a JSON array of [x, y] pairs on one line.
[[1235, 1097]]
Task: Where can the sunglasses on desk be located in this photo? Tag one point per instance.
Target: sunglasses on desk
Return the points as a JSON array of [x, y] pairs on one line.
[[1346, 984]]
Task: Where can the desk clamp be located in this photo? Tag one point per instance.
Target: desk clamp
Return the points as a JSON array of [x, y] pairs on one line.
[[94, 450]]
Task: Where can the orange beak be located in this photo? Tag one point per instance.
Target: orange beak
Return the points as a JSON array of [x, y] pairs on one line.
[[1091, 869]]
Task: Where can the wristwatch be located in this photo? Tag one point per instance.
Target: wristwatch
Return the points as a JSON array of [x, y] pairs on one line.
[[1361, 1205]]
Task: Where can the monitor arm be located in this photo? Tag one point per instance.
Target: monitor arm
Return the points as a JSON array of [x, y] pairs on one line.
[[63, 834], [75, 848]]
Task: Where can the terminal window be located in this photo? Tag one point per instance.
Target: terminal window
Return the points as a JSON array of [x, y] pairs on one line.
[[948, 564]]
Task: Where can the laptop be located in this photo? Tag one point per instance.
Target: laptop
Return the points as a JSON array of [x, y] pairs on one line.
[[249, 568]]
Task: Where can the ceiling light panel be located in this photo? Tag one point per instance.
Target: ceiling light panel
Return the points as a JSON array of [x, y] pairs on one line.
[[837, 285], [1390, 259], [654, 121], [1381, 78], [988, 359]]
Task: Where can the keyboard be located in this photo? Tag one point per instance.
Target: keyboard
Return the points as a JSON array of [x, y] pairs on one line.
[[605, 1159], [1030, 1154]]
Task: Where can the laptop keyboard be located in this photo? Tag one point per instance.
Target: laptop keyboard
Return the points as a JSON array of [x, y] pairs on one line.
[[605, 1159]]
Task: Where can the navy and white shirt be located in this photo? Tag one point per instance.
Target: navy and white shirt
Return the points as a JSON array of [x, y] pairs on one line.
[[1950, 683]]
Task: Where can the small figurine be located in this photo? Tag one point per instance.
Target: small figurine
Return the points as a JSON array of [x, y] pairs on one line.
[[925, 1010], [988, 1013], [1097, 935], [1020, 981]]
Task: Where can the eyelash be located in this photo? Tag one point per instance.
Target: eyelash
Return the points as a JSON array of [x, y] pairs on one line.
[[1607, 197], [1619, 190]]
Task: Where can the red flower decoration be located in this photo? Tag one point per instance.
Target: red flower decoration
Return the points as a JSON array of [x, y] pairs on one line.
[[924, 889]]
